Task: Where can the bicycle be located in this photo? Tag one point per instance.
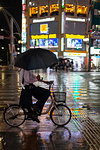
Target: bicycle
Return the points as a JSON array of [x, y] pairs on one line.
[[60, 114]]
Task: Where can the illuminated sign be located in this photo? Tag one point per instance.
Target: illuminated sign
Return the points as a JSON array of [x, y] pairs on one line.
[[44, 28], [44, 43], [43, 36], [74, 43], [43, 20], [62, 23], [75, 36], [23, 35], [52, 36], [62, 3], [94, 51], [74, 54], [75, 19], [62, 44], [23, 7]]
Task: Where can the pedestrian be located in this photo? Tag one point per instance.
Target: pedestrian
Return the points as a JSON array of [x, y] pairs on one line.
[[67, 65], [71, 64], [28, 90]]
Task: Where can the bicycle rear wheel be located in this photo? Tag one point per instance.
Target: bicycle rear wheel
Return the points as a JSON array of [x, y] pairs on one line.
[[60, 115], [14, 115]]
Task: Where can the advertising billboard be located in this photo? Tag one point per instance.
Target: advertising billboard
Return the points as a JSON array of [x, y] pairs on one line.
[[53, 42], [74, 43], [44, 43]]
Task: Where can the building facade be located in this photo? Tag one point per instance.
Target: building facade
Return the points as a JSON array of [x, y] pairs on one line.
[[58, 25], [95, 35]]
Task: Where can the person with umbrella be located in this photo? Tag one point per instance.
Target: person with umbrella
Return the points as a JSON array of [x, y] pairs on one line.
[[28, 90], [32, 59]]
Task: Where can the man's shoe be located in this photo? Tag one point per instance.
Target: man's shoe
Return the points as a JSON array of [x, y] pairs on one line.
[[35, 118]]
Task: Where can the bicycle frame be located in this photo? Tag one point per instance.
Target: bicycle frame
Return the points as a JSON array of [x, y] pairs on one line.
[[52, 104], [52, 101], [48, 109]]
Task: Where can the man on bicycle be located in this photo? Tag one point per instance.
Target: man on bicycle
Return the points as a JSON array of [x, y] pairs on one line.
[[29, 90]]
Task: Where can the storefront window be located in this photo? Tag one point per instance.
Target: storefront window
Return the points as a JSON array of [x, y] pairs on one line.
[[69, 9], [81, 10], [54, 9], [96, 43], [96, 12], [97, 27]]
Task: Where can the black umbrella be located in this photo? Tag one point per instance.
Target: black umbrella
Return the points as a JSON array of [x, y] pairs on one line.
[[36, 58]]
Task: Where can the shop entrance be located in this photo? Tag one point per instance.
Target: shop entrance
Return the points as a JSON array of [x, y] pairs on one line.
[[78, 62], [95, 62]]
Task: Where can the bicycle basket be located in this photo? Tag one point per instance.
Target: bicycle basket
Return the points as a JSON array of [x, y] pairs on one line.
[[60, 96]]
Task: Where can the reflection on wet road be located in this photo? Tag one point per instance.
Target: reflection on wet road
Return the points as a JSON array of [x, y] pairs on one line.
[[35, 139], [83, 98]]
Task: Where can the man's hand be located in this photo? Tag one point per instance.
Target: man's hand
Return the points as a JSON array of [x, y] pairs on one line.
[[38, 77]]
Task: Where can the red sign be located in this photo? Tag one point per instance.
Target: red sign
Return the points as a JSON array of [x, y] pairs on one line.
[[24, 7]]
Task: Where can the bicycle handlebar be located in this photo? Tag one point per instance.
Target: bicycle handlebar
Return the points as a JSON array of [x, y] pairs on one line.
[[49, 82]]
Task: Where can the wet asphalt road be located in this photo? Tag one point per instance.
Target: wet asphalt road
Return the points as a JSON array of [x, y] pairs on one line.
[[82, 96]]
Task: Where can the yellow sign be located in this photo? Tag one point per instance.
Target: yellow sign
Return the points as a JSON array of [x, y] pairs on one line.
[[75, 36], [43, 36], [44, 28]]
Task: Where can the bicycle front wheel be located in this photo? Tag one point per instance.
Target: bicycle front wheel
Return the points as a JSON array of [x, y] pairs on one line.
[[14, 115], [60, 115]]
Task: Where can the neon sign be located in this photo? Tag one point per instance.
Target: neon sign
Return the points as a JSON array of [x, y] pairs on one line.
[[23, 26]]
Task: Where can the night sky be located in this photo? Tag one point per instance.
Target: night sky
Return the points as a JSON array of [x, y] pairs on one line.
[[14, 7]]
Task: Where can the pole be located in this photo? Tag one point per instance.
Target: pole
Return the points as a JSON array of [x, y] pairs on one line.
[[60, 53], [89, 63], [11, 43]]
